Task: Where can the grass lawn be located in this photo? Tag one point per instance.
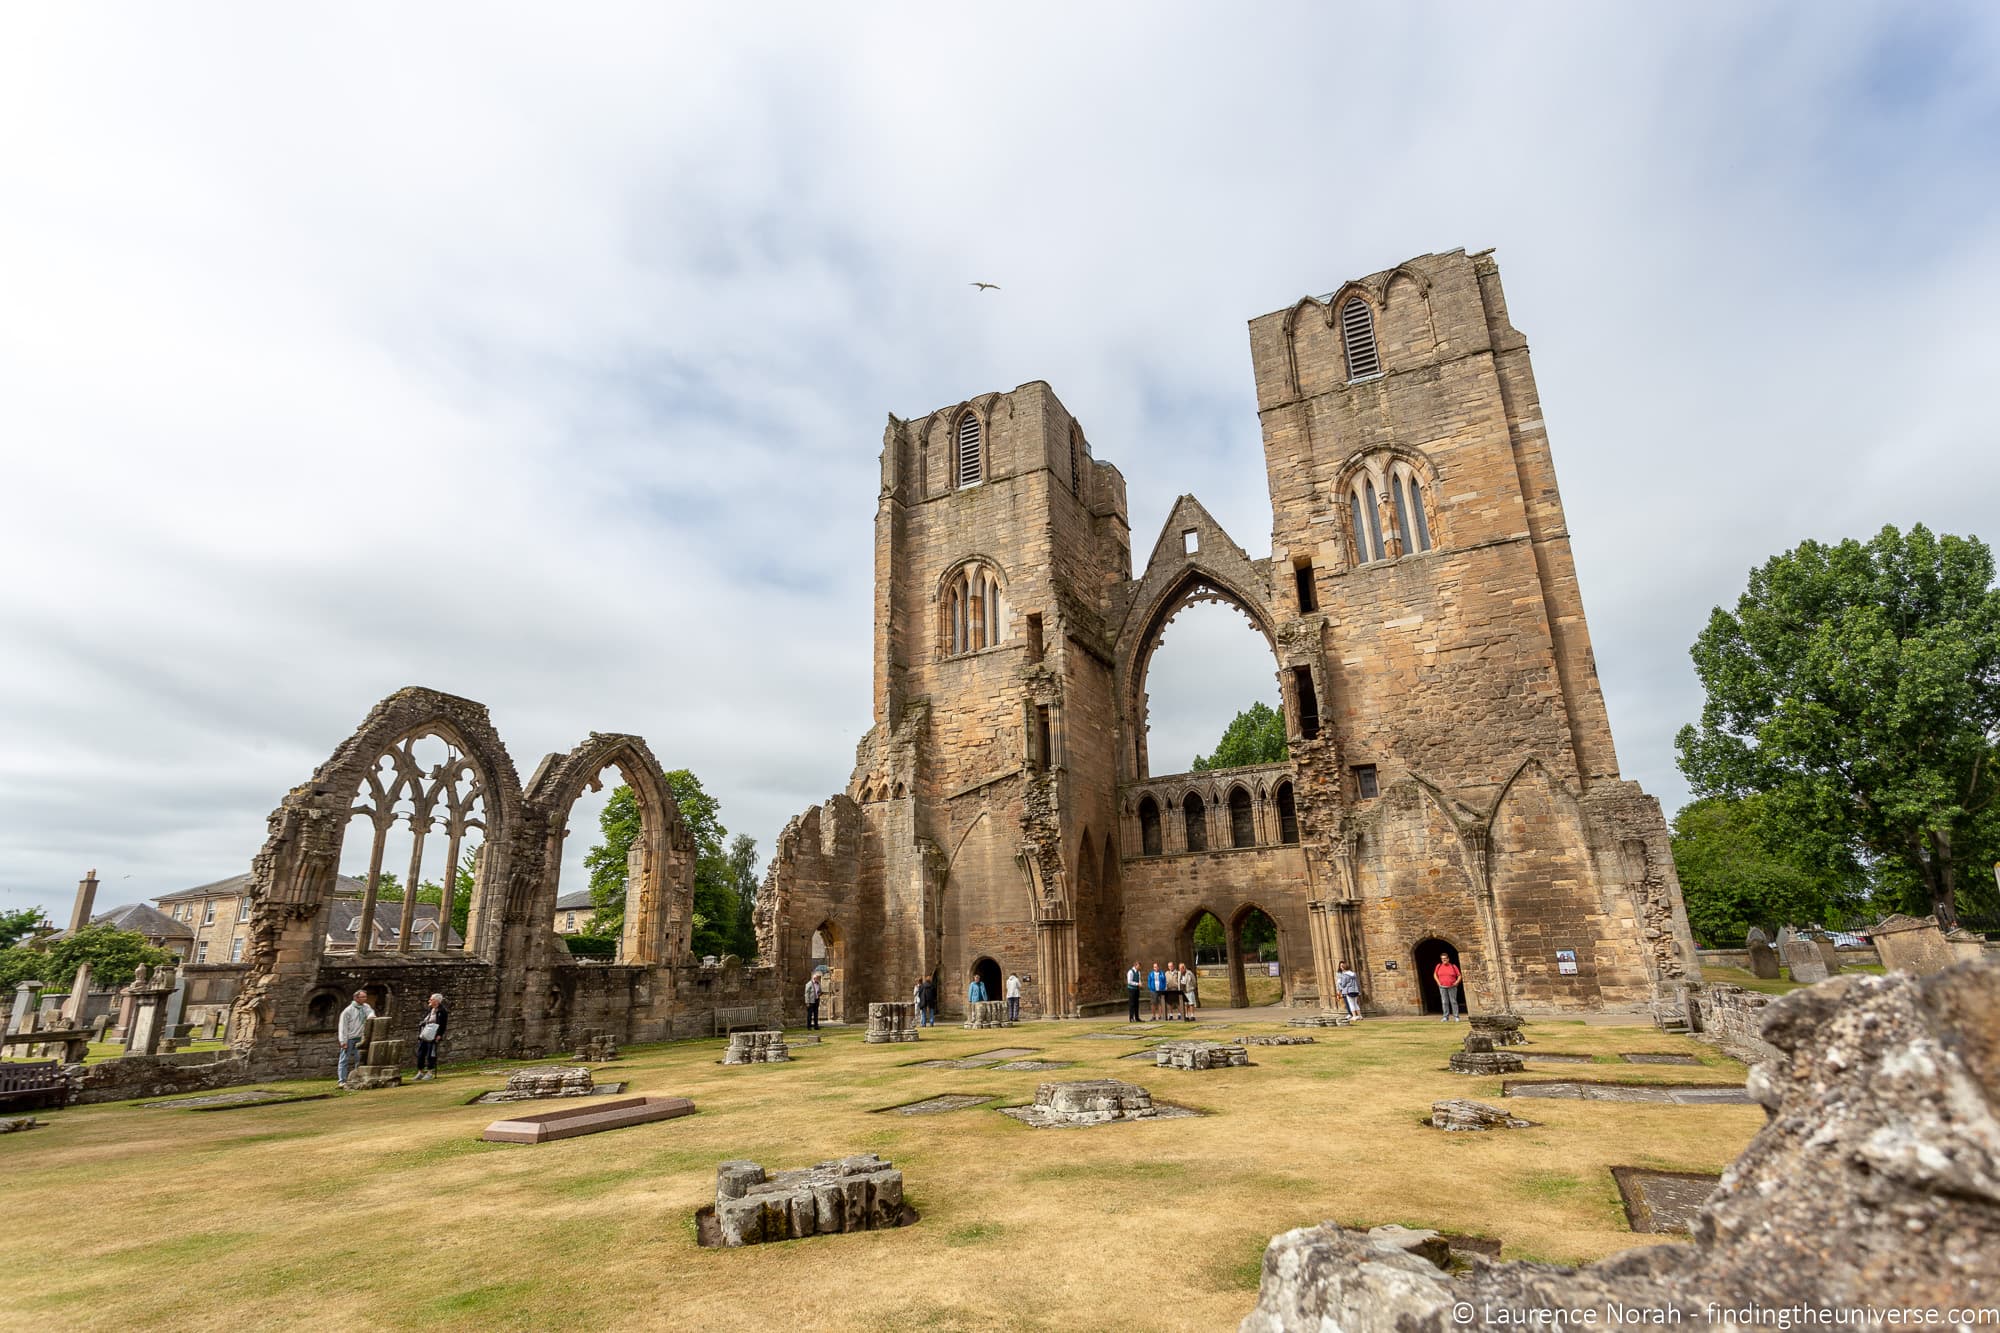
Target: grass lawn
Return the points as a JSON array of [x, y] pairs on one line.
[[113, 1050], [383, 1209], [1736, 976]]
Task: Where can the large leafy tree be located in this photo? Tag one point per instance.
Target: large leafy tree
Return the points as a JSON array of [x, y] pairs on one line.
[[1735, 875], [1256, 736], [1857, 688], [720, 923], [114, 956]]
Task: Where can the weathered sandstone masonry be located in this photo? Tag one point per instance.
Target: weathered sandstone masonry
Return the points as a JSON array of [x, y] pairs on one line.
[[1452, 782]]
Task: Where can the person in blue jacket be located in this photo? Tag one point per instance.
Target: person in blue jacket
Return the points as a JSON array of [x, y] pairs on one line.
[[976, 992]]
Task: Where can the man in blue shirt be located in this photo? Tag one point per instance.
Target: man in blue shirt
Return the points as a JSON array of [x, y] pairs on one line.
[[976, 992], [1134, 980], [1156, 982]]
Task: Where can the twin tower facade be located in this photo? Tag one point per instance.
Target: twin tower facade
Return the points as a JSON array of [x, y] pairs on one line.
[[1451, 785]]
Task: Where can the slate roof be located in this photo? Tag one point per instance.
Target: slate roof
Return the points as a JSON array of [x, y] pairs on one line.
[[238, 885], [575, 902], [148, 921], [345, 915]]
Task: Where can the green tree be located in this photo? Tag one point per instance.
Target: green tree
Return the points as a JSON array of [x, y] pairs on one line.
[[720, 924], [461, 895], [17, 925], [114, 956], [1257, 736], [743, 881], [1734, 875], [1857, 687]]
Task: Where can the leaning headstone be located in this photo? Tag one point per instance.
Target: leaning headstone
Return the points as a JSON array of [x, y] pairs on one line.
[[863, 1193], [99, 1026], [1827, 954], [986, 1014], [757, 1047], [1912, 944], [1802, 960], [1763, 961], [24, 1004], [79, 997], [892, 1021]]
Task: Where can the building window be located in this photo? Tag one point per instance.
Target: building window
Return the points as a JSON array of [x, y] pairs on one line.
[[968, 442], [1357, 330], [201, 952], [974, 611], [1040, 760], [208, 913], [1410, 519], [1367, 518], [1190, 542], [236, 950], [1302, 579], [1365, 786], [1035, 638], [242, 910], [1308, 703], [569, 922], [1242, 828], [1149, 826], [1288, 814]]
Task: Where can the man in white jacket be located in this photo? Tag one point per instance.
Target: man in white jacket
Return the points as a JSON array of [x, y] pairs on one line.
[[353, 1026]]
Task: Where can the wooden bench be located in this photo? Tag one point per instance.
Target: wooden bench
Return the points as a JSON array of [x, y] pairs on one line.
[[75, 1042], [30, 1086]]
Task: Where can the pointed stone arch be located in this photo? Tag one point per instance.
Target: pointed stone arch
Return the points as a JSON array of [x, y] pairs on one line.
[[659, 889]]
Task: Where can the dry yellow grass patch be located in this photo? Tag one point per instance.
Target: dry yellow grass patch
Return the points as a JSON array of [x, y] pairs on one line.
[[383, 1209]]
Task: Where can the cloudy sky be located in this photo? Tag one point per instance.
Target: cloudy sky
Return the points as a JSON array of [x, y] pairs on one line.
[[543, 357]]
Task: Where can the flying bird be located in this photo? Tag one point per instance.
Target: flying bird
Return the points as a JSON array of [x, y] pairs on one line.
[[987, 286]]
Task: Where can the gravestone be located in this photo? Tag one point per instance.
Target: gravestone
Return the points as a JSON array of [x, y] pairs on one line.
[[597, 1046], [99, 1026], [177, 1001], [1763, 960], [24, 1005], [148, 994], [1463, 1114], [1802, 960], [1827, 954], [895, 1020], [1912, 944], [79, 997], [1755, 936]]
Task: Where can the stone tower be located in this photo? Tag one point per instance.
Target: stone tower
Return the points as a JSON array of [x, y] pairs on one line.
[[1451, 785]]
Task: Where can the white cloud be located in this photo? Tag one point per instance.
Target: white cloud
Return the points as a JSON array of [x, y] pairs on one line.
[[546, 361]]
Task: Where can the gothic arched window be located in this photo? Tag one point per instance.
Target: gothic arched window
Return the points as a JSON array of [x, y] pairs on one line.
[[973, 610], [1149, 826], [1194, 816]]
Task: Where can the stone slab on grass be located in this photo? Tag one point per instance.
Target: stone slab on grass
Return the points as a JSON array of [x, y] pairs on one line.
[[574, 1121], [1663, 1202], [1676, 1094], [938, 1105]]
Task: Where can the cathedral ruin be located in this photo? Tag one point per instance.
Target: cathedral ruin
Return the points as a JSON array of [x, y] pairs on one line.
[[1451, 782]]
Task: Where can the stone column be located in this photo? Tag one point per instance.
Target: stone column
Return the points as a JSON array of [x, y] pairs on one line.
[[1320, 927]]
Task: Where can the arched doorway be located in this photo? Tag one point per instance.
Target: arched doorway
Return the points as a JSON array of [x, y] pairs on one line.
[[988, 971], [1253, 948], [378, 998], [1427, 955], [829, 960]]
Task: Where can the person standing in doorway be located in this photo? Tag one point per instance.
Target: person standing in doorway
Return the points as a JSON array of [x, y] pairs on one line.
[[353, 1027], [1013, 997], [812, 1002], [1446, 975], [976, 992], [1156, 982], [1134, 982], [430, 1031], [1349, 987]]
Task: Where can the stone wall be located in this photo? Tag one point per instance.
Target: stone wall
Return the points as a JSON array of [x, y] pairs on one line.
[[134, 1076], [1734, 1019]]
